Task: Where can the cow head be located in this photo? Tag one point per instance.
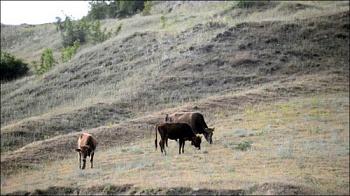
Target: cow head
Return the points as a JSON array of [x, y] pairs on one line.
[[196, 141], [84, 151], [208, 134]]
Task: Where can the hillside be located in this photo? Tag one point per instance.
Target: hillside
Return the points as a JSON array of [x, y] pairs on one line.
[[275, 74]]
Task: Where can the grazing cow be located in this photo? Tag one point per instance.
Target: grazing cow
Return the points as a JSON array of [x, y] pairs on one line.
[[174, 131], [86, 147], [196, 120]]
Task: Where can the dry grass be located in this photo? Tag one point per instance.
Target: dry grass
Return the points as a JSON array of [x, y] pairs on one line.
[[304, 140], [279, 85]]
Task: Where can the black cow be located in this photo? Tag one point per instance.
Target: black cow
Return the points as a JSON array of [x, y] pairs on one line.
[[174, 131], [196, 120]]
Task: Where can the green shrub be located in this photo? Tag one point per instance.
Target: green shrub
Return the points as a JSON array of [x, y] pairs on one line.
[[69, 51], [244, 145], [162, 19], [118, 29], [96, 34], [11, 67], [147, 8], [46, 62], [107, 189]]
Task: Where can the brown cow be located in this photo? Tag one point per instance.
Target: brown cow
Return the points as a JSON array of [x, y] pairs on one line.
[[174, 131], [86, 147], [196, 120]]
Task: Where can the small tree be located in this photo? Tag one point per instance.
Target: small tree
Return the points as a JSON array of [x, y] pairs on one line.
[[96, 34], [162, 19], [11, 67], [58, 23], [118, 29], [74, 30], [147, 8], [47, 62], [69, 51]]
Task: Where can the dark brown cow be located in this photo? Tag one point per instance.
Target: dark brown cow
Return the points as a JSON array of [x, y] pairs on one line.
[[86, 147], [196, 120], [174, 131]]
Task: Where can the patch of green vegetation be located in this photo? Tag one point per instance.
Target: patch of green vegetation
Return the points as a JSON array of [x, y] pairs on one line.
[[147, 8], [47, 61], [107, 189], [11, 67], [243, 145], [118, 29], [162, 20], [319, 113], [69, 51], [291, 105], [244, 3], [249, 112], [28, 31]]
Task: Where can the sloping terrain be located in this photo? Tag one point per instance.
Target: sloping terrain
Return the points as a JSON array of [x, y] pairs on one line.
[[275, 74]]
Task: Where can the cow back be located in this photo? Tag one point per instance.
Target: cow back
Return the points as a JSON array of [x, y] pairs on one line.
[[175, 130], [195, 119]]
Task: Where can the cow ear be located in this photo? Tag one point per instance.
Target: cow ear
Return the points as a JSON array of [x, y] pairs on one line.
[[78, 150], [213, 128]]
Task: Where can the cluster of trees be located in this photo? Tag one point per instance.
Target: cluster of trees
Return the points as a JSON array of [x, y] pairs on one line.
[[85, 31], [114, 9], [88, 28], [74, 34]]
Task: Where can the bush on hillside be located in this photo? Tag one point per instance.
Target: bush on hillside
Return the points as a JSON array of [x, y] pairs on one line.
[[96, 34], [47, 61], [147, 8], [11, 67], [118, 29], [69, 51]]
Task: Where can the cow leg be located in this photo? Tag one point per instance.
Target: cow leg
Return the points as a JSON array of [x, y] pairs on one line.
[[79, 154], [180, 145], [84, 163], [92, 158], [183, 147], [163, 146]]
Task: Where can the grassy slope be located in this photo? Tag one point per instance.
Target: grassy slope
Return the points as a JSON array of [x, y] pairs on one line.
[[268, 71]]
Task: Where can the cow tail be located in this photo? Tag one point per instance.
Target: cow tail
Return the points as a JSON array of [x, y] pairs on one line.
[[155, 142]]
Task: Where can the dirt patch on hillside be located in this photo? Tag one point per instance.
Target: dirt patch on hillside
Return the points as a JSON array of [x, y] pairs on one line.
[[129, 189]]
